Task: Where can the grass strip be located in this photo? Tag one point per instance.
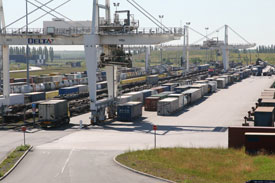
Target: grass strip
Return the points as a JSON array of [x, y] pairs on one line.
[[12, 158], [201, 165]]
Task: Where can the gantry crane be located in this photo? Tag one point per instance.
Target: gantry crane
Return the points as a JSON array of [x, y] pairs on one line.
[[103, 48]]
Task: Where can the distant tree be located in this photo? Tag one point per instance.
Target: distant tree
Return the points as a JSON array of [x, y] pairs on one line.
[[46, 53], [17, 51], [51, 54], [34, 52], [40, 51], [11, 51]]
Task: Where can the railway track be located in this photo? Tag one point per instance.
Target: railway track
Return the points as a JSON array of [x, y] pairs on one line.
[[80, 104]]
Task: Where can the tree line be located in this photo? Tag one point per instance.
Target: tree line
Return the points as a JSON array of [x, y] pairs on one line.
[[34, 51], [266, 49]]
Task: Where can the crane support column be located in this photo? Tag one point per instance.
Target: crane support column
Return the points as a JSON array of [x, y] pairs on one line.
[[6, 73], [91, 64]]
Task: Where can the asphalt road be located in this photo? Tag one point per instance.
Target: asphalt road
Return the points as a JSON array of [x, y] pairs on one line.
[[86, 155]]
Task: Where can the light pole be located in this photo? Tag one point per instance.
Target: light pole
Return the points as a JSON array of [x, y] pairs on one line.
[[161, 57], [116, 5], [206, 54], [217, 43], [185, 45]]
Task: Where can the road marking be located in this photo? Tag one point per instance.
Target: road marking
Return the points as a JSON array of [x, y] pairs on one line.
[[67, 161]]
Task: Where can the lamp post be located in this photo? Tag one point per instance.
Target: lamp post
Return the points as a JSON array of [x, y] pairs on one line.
[[161, 57], [116, 5], [185, 45], [206, 32]]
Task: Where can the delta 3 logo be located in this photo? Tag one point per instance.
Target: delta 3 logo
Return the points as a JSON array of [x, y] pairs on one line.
[[40, 41]]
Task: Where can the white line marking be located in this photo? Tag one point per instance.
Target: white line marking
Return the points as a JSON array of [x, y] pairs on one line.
[[67, 161]]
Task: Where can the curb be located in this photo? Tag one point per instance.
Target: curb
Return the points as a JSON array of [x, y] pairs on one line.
[[141, 173], [16, 164]]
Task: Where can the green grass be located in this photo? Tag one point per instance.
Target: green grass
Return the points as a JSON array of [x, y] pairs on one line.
[[12, 158], [200, 57], [202, 165]]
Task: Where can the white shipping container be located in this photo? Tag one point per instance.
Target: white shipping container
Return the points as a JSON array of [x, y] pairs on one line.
[[16, 99], [124, 99], [180, 97], [168, 106], [213, 85], [226, 79], [194, 94], [136, 96], [221, 83], [83, 88], [57, 78]]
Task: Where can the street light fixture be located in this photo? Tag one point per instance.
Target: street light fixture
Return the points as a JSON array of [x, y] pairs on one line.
[[206, 30], [116, 5], [161, 54]]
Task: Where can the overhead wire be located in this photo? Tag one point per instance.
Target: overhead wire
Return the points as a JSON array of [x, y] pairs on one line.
[[27, 14], [144, 14]]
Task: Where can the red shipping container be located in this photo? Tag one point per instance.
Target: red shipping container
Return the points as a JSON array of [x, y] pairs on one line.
[[236, 135], [151, 103], [255, 142]]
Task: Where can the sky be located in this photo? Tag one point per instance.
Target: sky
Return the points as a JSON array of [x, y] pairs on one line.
[[253, 19]]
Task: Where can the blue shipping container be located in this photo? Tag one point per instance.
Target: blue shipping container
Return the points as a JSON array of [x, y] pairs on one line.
[[166, 88], [129, 111], [68, 90]]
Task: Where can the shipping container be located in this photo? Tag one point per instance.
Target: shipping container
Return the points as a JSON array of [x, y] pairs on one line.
[[202, 87], [151, 103], [213, 86], [135, 96], [226, 78], [162, 95], [194, 94], [268, 93], [168, 106], [52, 94], [181, 99], [152, 79], [221, 83], [264, 116], [258, 142], [82, 89], [146, 93], [34, 97], [53, 113], [158, 89], [171, 86], [124, 99], [15, 99], [56, 78], [181, 89], [129, 111], [68, 90]]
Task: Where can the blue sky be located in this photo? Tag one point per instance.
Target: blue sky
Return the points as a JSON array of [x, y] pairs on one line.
[[253, 19]]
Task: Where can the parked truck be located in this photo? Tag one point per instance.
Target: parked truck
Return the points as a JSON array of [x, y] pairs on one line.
[[53, 113]]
